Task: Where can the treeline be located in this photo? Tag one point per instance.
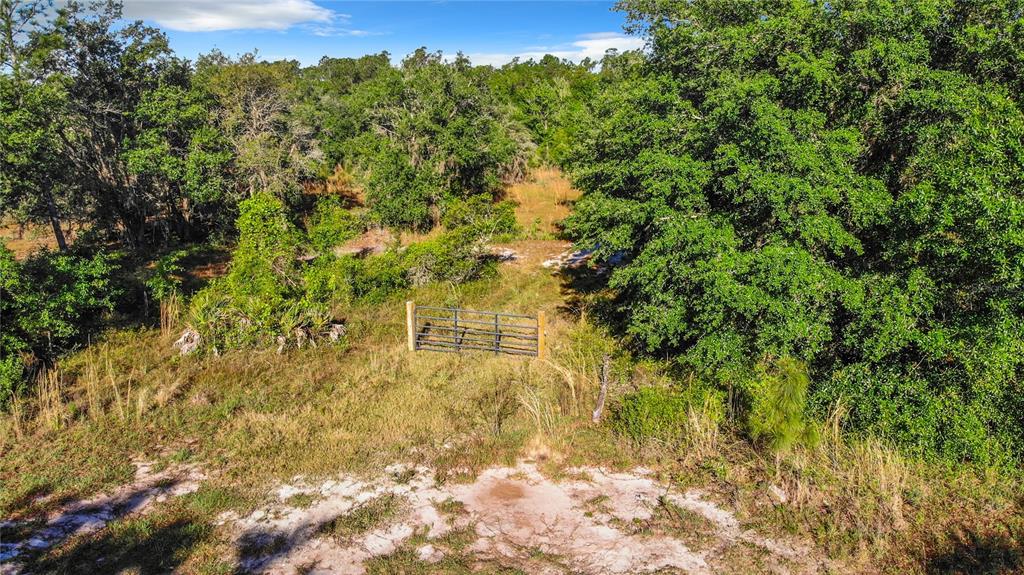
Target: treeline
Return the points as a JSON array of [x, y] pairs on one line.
[[104, 124], [837, 185], [105, 130], [807, 206]]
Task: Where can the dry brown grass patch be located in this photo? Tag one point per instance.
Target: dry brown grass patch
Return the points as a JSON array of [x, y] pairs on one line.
[[543, 200]]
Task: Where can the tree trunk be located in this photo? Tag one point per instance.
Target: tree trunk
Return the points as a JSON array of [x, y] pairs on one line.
[[51, 208]]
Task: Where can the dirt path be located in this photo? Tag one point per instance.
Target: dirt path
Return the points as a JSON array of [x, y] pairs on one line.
[[593, 521], [596, 522]]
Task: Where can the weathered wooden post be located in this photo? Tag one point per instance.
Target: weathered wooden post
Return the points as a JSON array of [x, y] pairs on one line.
[[497, 335], [599, 408], [542, 325], [410, 327]]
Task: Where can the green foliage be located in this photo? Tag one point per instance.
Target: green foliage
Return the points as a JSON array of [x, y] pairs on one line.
[[30, 157], [330, 279], [498, 219], [329, 106], [661, 413], [778, 406], [270, 292], [259, 299], [400, 194], [433, 131], [455, 256], [272, 147], [377, 277], [265, 263], [332, 224], [551, 98], [49, 303], [164, 280], [64, 295], [180, 153], [837, 183]]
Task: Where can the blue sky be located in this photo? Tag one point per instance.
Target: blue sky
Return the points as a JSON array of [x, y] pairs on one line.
[[489, 32]]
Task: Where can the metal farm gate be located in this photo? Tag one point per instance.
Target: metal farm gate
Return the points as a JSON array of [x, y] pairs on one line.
[[454, 329]]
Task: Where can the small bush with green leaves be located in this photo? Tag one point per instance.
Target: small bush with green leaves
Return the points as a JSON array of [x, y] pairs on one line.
[[332, 224], [777, 414], [455, 256], [48, 303], [661, 413], [165, 279], [497, 219]]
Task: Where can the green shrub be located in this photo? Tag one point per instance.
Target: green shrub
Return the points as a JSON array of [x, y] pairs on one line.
[[456, 256], [377, 277], [164, 280], [12, 381], [497, 220], [328, 280], [265, 264], [49, 303], [777, 412], [261, 298], [906, 409], [661, 413], [331, 224]]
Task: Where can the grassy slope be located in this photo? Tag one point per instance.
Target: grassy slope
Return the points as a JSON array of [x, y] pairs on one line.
[[251, 418]]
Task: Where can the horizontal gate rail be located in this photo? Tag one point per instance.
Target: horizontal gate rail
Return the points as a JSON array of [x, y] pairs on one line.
[[450, 329]]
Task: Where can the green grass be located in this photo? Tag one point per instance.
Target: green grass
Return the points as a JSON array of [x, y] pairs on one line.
[[302, 500], [252, 419], [371, 514], [451, 507]]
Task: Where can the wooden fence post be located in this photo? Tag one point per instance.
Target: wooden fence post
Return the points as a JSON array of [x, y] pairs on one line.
[[542, 325], [410, 328], [599, 408]]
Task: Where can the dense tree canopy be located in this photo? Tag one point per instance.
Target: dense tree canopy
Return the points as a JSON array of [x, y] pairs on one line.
[[103, 124], [838, 182], [834, 185]]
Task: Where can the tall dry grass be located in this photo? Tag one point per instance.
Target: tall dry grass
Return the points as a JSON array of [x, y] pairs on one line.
[[866, 473], [171, 309], [543, 200]]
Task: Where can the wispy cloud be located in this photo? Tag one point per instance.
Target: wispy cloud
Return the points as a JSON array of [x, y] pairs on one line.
[[220, 15], [591, 46], [331, 30]]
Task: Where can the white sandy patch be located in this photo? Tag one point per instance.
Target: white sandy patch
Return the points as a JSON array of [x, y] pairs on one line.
[[568, 259], [89, 515], [290, 533], [514, 512]]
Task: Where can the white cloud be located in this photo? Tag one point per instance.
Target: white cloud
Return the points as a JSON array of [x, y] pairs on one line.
[[329, 30], [217, 15], [591, 46], [594, 46]]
